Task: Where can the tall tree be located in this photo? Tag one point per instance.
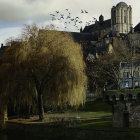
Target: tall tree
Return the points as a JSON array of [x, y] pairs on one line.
[[47, 65]]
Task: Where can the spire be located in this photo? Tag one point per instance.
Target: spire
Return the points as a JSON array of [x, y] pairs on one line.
[[101, 18], [81, 30]]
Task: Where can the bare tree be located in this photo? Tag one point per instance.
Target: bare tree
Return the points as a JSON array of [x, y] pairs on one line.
[[132, 41], [106, 68]]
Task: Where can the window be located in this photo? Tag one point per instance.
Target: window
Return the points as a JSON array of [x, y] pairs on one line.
[[126, 74], [124, 19], [114, 17], [125, 16], [107, 41], [126, 84], [136, 83]]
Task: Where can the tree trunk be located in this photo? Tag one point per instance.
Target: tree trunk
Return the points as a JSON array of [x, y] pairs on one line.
[[40, 107], [133, 84], [118, 85], [40, 100], [3, 117]]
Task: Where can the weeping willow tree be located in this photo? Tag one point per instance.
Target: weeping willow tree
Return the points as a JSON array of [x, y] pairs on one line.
[[47, 66], [15, 87]]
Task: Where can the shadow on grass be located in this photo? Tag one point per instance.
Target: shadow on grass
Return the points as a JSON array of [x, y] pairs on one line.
[[95, 106], [104, 123], [92, 128]]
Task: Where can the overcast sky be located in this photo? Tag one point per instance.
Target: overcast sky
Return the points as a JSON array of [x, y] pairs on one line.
[[15, 13]]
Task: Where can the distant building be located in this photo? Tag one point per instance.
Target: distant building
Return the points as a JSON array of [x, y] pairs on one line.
[[137, 28], [121, 18], [121, 21], [105, 34], [129, 73]]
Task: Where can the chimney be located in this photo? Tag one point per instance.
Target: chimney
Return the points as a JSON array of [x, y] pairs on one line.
[[101, 18], [2, 45]]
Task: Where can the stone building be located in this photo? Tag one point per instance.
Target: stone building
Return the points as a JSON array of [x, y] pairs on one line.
[[121, 21], [100, 28], [137, 28], [125, 108], [129, 73], [121, 18]]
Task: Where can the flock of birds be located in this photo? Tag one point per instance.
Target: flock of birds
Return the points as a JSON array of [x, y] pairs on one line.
[[68, 20]]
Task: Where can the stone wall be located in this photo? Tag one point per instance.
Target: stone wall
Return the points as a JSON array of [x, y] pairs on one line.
[[125, 108]]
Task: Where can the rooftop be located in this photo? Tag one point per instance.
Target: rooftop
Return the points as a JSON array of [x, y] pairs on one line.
[[98, 25], [137, 28], [121, 4]]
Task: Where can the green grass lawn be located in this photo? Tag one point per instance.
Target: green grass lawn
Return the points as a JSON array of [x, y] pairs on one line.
[[91, 110], [94, 119], [98, 116], [94, 115]]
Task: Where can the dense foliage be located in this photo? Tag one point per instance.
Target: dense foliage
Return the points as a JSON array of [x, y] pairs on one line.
[[46, 66]]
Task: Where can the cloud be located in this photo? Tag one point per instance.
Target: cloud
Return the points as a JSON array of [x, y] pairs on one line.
[[39, 10], [6, 33], [19, 11], [15, 13]]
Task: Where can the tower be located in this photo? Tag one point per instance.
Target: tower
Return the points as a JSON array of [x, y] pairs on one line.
[[101, 18], [121, 18]]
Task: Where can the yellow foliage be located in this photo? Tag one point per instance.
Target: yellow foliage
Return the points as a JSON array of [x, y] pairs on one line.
[[56, 61]]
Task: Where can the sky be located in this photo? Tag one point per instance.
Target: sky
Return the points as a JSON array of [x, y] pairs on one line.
[[14, 14]]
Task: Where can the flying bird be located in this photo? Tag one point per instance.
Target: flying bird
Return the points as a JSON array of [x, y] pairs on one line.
[[82, 11], [68, 17], [86, 11], [62, 16]]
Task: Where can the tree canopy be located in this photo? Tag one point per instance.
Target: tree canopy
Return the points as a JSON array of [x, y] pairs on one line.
[[105, 70], [47, 65]]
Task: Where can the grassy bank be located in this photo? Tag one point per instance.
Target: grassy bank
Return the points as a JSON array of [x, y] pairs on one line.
[[92, 121], [90, 111]]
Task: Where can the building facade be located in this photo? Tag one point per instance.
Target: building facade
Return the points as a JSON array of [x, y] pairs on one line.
[[129, 74], [121, 18], [121, 21]]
